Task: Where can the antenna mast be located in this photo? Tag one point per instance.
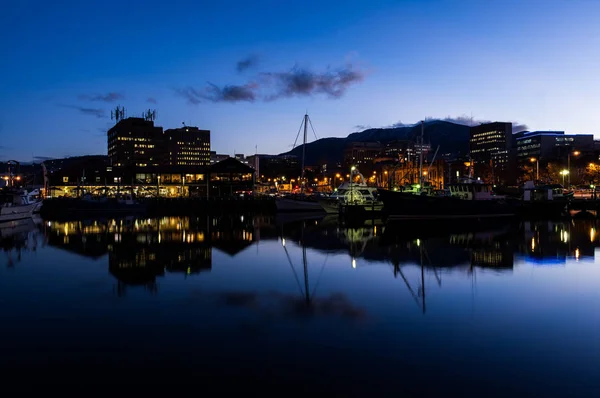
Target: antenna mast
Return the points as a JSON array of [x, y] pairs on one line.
[[421, 156], [149, 115], [117, 114], [304, 151]]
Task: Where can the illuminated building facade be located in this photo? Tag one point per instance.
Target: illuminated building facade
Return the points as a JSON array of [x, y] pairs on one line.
[[357, 153], [491, 150], [135, 142], [188, 146], [551, 145]]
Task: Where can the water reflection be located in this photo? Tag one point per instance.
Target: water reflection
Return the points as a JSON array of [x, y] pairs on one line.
[[19, 236], [413, 304], [141, 250]]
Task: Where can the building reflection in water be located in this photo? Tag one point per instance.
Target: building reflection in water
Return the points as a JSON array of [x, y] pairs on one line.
[[19, 236], [141, 250]]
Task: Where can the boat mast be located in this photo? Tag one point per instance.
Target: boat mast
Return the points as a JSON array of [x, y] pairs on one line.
[[421, 157], [304, 151]]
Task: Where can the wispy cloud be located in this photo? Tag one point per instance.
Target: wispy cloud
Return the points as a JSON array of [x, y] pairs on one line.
[[43, 158], [361, 127], [270, 86], [97, 112], [151, 100], [214, 93], [231, 93], [247, 63], [109, 97], [304, 82]]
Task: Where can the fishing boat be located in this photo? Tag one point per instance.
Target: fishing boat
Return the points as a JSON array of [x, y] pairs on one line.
[[358, 195], [16, 204], [301, 202], [467, 200]]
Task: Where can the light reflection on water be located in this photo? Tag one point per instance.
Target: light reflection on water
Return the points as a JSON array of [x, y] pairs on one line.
[[507, 309]]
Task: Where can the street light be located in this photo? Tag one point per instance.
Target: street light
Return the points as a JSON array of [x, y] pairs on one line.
[[564, 173], [537, 167], [575, 153]]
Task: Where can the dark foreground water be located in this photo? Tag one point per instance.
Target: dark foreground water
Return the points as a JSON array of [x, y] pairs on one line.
[[256, 302]]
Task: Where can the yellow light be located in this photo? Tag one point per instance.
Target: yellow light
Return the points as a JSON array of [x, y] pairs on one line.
[[576, 153], [532, 159], [282, 241], [577, 253], [418, 242], [532, 244], [592, 234], [353, 168], [353, 263]]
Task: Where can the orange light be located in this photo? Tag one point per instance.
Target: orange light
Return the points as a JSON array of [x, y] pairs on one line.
[[576, 153], [532, 159]]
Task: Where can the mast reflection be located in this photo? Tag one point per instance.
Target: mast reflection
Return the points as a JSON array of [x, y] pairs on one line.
[[141, 250]]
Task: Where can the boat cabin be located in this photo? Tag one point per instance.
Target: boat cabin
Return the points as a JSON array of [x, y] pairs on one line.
[[472, 191], [416, 189], [544, 192], [354, 192]]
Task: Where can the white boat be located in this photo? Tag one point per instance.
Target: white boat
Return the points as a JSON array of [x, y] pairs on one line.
[[298, 204], [17, 205], [352, 193]]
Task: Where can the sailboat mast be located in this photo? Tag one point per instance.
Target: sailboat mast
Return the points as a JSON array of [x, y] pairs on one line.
[[304, 150], [421, 156]]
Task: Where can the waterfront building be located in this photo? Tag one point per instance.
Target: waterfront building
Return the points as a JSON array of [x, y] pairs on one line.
[[217, 157], [361, 153], [551, 145], [491, 151], [135, 142], [188, 146]]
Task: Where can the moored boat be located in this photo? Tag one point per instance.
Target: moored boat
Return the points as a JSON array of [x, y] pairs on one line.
[[359, 196], [406, 206], [16, 205]]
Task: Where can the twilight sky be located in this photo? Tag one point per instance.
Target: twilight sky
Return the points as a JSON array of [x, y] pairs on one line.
[[248, 70]]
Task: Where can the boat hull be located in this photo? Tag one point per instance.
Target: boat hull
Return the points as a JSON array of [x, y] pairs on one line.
[[402, 206], [333, 207], [297, 205], [19, 212]]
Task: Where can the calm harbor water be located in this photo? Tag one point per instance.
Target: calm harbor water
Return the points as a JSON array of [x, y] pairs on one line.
[[240, 301]]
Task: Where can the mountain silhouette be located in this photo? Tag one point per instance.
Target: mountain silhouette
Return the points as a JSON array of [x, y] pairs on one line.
[[451, 137]]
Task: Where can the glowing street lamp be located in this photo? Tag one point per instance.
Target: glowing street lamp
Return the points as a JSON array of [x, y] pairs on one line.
[[575, 153], [537, 167], [564, 173]]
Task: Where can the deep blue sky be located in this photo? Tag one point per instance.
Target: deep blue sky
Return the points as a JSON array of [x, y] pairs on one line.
[[535, 62]]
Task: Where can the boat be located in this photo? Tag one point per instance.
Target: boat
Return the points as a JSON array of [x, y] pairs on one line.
[[472, 189], [359, 196], [406, 206], [16, 204], [542, 201], [302, 202], [298, 203]]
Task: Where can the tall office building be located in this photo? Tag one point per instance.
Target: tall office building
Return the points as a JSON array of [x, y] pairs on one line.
[[188, 146], [491, 149], [135, 142]]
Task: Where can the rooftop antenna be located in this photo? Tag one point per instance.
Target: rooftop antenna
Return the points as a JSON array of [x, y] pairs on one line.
[[117, 114], [149, 115], [183, 123]]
